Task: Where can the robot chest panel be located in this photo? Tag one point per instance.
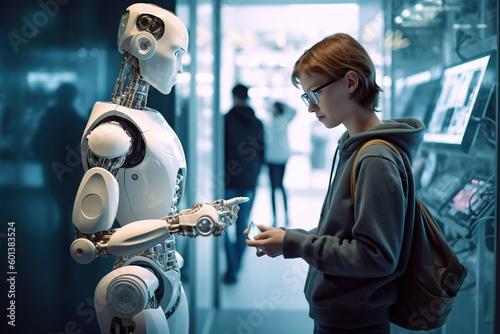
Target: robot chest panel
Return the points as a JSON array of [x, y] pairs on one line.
[[149, 189], [162, 137]]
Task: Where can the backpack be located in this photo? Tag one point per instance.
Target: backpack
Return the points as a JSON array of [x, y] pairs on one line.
[[428, 286]]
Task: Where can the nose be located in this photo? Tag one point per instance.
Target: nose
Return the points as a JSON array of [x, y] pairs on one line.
[[312, 107]]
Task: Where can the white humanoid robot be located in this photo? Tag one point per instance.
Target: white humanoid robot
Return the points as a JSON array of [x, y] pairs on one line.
[[135, 173]]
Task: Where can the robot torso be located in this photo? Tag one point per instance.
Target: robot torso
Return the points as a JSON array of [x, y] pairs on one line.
[[152, 179]]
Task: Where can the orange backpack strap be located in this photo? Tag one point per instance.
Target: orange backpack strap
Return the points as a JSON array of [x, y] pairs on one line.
[[365, 145]]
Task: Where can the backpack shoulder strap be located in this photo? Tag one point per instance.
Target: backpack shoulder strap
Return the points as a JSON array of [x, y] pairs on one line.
[[365, 145]]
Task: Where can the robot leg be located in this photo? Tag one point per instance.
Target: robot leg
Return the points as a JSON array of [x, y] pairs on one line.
[[151, 321], [179, 321], [172, 298], [125, 299]]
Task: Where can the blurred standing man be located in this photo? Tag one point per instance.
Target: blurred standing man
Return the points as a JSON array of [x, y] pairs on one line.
[[56, 144], [244, 155]]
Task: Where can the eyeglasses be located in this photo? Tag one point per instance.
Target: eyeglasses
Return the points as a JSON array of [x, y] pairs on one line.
[[312, 97]]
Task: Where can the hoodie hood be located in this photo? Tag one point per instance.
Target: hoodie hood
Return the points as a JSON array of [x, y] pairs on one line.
[[406, 133]]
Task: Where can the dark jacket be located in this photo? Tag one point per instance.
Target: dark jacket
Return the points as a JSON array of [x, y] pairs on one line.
[[356, 253], [244, 148]]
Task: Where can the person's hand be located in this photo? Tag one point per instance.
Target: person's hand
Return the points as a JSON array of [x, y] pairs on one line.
[[269, 242]]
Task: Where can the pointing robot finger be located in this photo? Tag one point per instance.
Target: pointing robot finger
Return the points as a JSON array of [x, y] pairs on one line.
[[236, 201]]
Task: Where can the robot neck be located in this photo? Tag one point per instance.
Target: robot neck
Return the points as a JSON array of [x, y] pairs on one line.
[[135, 94]]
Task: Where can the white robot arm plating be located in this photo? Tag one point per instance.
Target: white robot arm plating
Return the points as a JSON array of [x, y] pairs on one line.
[[96, 202]]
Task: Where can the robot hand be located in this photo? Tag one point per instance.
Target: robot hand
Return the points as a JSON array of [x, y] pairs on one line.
[[206, 219], [228, 212]]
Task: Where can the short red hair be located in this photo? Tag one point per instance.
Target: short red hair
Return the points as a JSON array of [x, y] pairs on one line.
[[334, 56]]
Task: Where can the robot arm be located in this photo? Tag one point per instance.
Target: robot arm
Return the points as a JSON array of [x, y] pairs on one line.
[[206, 219], [136, 237], [96, 202]]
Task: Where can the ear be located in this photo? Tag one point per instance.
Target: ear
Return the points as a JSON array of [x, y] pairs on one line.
[[352, 80], [143, 45]]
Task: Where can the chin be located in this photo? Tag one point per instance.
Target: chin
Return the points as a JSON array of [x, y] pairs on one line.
[[165, 90], [331, 125]]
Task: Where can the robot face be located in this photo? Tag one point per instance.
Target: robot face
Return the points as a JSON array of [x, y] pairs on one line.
[[158, 39]]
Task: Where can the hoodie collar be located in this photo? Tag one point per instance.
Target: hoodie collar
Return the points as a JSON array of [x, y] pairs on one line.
[[406, 133]]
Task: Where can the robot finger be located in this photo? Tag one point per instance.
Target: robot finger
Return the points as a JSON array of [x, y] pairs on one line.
[[236, 200]]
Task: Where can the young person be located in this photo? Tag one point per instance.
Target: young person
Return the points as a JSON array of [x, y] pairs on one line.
[[357, 251]]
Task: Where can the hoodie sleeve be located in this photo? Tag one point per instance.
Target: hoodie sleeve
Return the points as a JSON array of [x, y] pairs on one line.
[[369, 246]]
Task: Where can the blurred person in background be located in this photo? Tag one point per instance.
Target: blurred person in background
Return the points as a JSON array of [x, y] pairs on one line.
[[277, 153], [56, 144], [244, 156]]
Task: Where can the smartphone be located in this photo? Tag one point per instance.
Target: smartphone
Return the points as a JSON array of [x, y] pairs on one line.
[[253, 230]]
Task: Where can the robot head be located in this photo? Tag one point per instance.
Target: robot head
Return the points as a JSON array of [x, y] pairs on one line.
[[158, 39]]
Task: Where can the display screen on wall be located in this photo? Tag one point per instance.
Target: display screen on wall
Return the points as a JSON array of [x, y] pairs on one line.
[[461, 103]]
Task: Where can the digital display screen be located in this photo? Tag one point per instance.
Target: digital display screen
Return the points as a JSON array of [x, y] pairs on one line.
[[460, 86]]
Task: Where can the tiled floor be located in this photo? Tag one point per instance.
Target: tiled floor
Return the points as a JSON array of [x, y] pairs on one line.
[[268, 297]]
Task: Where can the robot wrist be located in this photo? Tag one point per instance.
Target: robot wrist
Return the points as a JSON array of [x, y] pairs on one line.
[[85, 248]]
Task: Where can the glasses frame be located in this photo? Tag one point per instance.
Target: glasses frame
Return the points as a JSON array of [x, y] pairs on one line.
[[312, 97]]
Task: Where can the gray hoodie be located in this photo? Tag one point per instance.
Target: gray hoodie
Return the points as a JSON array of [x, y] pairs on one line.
[[356, 253]]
